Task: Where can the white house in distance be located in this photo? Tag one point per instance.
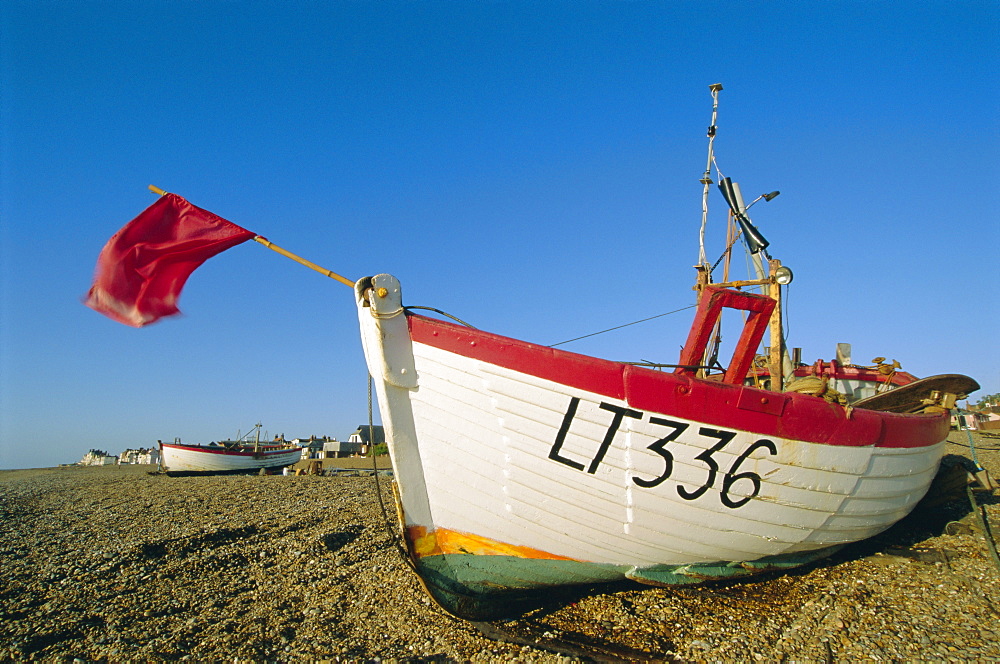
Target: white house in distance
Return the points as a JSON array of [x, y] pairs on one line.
[[141, 456], [326, 447], [362, 433], [150, 456], [313, 446], [98, 458]]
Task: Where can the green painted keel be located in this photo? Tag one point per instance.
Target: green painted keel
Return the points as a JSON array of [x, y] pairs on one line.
[[479, 587], [673, 575], [494, 587]]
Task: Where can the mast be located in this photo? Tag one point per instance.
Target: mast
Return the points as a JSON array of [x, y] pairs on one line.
[[704, 267], [770, 277], [706, 179]]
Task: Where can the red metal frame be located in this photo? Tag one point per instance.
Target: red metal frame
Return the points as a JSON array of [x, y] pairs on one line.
[[713, 300]]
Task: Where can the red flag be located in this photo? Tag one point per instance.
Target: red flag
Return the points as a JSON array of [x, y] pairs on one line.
[[143, 267]]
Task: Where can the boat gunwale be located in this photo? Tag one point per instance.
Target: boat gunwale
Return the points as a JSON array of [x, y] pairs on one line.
[[788, 415]]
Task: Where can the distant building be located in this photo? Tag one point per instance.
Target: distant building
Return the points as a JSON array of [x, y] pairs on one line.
[[326, 447], [312, 447], [98, 458], [364, 432], [338, 450], [991, 417], [988, 417], [142, 456]]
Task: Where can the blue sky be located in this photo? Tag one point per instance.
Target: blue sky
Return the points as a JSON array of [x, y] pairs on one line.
[[531, 168]]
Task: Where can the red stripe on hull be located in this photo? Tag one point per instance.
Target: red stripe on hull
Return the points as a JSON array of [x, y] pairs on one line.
[[786, 415]]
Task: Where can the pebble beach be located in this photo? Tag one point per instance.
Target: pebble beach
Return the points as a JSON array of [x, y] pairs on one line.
[[121, 564]]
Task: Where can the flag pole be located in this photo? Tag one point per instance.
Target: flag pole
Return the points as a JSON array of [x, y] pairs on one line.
[[298, 259], [284, 252]]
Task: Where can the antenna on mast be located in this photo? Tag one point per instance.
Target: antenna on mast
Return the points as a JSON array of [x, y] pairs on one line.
[[731, 192], [706, 179]]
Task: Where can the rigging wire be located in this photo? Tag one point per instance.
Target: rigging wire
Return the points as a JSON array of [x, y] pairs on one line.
[[592, 334], [618, 327], [739, 232]]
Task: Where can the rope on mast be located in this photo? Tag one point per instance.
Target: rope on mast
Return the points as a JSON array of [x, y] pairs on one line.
[[706, 179]]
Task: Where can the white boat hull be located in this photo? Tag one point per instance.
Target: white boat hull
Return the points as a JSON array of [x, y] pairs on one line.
[[487, 459], [520, 466]]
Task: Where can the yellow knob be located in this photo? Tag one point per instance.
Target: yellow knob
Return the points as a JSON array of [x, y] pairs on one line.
[[383, 291]]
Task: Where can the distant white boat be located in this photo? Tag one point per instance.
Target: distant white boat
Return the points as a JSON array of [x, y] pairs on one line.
[[228, 457]]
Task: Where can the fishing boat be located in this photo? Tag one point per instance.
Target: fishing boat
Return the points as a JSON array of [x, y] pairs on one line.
[[520, 468], [228, 457]]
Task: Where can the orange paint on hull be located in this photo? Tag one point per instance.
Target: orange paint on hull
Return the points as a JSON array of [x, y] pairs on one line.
[[424, 542]]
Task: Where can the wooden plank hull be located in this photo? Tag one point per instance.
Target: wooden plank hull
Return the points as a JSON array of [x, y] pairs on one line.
[[522, 467], [203, 459]]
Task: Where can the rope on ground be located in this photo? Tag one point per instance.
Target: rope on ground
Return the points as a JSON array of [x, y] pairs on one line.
[[984, 523], [539, 635], [987, 449], [978, 509]]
